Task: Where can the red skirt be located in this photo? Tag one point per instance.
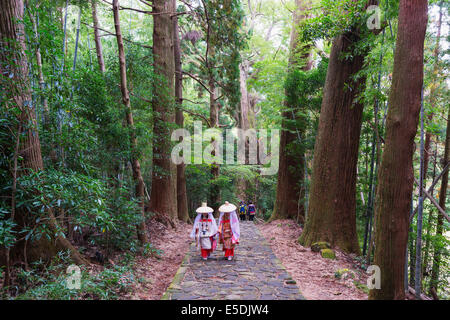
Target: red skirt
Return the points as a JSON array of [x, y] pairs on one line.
[[206, 253], [229, 252]]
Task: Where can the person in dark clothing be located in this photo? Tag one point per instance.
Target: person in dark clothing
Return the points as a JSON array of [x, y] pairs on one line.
[[251, 210], [242, 211]]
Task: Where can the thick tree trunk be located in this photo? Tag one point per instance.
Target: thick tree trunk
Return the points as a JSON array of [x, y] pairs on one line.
[[163, 199], [289, 202], [332, 203], [136, 166], [395, 177], [183, 213], [440, 220], [98, 42], [12, 44]]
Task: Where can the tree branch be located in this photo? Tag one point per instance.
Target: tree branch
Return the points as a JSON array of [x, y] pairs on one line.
[[109, 33], [198, 80], [197, 115]]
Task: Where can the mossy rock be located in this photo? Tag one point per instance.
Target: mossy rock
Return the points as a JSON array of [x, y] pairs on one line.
[[344, 274], [361, 286], [327, 254], [317, 246]]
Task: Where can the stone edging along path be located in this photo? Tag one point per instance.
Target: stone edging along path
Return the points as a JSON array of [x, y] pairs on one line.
[[255, 273]]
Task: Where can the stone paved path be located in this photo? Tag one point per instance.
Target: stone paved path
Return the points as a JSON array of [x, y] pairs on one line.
[[255, 273]]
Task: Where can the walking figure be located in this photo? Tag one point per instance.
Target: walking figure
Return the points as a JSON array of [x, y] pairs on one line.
[[229, 230], [204, 231], [242, 211], [251, 211]]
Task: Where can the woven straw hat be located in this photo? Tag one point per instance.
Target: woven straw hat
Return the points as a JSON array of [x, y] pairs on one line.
[[227, 207], [204, 209]]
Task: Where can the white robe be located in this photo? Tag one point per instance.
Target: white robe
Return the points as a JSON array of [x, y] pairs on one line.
[[203, 240]]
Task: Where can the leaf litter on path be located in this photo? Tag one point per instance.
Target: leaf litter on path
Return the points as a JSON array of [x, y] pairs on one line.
[[315, 276]]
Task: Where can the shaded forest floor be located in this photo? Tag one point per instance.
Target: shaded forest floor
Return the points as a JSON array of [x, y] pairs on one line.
[[157, 271], [315, 275]]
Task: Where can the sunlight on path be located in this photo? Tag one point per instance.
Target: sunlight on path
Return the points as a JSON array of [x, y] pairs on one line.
[[255, 273]]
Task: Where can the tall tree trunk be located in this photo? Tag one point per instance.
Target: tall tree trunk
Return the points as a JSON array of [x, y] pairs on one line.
[[289, 202], [183, 213], [14, 67], [214, 190], [98, 42], [440, 220], [332, 198], [245, 120], [332, 202], [136, 166], [163, 197], [395, 176], [241, 182]]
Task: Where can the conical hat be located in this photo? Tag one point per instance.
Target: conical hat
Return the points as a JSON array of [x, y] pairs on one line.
[[204, 209], [227, 207]]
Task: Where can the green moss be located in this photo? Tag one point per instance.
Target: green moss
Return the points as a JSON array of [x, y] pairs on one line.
[[344, 273], [361, 286], [327, 254], [291, 282], [317, 246]]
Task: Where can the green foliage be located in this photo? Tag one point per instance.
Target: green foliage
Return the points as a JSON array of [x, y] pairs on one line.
[[49, 282], [7, 238], [215, 42], [84, 200], [331, 18]]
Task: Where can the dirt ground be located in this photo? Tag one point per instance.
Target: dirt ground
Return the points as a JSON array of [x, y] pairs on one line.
[[158, 272], [314, 275]]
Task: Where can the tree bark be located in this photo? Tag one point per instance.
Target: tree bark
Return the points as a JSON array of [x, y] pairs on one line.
[[183, 213], [395, 175], [163, 199], [98, 42], [290, 194], [332, 198], [136, 166]]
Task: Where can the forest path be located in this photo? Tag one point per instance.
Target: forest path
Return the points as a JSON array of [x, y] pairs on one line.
[[255, 273]]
